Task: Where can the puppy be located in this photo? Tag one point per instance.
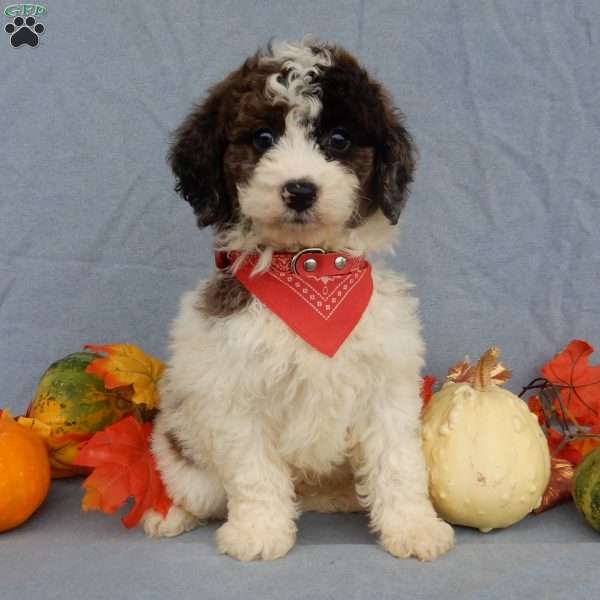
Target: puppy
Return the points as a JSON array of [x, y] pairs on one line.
[[293, 382]]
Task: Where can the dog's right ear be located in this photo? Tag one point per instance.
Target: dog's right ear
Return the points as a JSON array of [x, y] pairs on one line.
[[196, 158]]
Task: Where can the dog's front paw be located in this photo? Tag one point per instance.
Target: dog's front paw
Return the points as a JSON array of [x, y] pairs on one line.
[[426, 538], [253, 541], [176, 522]]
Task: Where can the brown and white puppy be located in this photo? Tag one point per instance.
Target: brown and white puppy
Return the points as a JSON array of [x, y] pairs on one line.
[[297, 148]]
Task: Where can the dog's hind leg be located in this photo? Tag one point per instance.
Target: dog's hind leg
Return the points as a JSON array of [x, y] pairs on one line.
[[176, 522], [196, 490]]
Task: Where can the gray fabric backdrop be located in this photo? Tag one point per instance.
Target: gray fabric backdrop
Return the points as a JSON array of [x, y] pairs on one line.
[[501, 235]]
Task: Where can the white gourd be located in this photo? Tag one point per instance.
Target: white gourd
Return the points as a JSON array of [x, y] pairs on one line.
[[488, 459]]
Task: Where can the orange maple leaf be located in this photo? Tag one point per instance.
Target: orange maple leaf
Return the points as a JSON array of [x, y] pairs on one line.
[[578, 381], [127, 365], [123, 467], [584, 445]]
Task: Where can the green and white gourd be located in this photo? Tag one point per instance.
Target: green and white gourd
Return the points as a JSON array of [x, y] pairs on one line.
[[586, 488]]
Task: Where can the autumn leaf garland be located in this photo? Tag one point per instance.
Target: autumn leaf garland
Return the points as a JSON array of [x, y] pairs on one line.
[[120, 456], [566, 400]]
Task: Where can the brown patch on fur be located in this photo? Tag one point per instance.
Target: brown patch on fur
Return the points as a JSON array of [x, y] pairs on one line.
[[362, 162], [231, 112], [177, 448], [254, 113], [238, 164], [328, 494], [223, 296], [355, 101]]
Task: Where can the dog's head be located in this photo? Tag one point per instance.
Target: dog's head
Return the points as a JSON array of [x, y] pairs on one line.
[[297, 147]]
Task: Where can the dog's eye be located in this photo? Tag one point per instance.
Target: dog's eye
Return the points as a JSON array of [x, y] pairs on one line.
[[263, 139], [338, 140]]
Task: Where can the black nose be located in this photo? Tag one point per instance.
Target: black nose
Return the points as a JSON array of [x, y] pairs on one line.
[[299, 194]]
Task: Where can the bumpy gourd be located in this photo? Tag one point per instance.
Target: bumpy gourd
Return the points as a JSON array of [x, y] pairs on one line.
[[586, 488], [69, 406], [488, 458]]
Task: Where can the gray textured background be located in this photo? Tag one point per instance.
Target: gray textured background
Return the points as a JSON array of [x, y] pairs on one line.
[[501, 235]]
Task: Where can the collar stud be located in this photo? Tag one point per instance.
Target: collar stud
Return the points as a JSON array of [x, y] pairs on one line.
[[312, 261], [310, 265], [340, 262]]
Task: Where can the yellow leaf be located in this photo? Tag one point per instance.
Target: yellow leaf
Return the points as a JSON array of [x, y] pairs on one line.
[[128, 365]]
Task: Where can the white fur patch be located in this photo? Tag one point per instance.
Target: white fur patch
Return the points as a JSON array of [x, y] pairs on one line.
[[296, 83], [374, 235]]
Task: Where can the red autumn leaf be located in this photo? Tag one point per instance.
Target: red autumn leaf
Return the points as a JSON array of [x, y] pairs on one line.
[[427, 383], [579, 381], [567, 451], [123, 467], [535, 406], [584, 445]]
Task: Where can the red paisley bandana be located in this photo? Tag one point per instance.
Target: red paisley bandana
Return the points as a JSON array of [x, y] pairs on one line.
[[320, 295]]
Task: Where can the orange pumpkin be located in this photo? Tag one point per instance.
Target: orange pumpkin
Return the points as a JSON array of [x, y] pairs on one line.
[[24, 472]]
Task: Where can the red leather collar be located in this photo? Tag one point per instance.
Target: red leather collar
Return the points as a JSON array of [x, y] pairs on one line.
[[320, 295], [326, 263]]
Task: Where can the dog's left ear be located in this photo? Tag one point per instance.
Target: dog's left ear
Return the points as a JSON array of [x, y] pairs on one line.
[[395, 162]]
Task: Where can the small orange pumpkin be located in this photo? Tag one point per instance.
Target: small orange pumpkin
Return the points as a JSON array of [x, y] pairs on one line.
[[24, 472]]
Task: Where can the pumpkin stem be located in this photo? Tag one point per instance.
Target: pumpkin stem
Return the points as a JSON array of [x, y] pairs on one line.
[[482, 379]]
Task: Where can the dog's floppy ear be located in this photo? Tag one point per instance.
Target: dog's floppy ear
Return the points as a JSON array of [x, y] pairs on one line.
[[196, 158], [395, 163]]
